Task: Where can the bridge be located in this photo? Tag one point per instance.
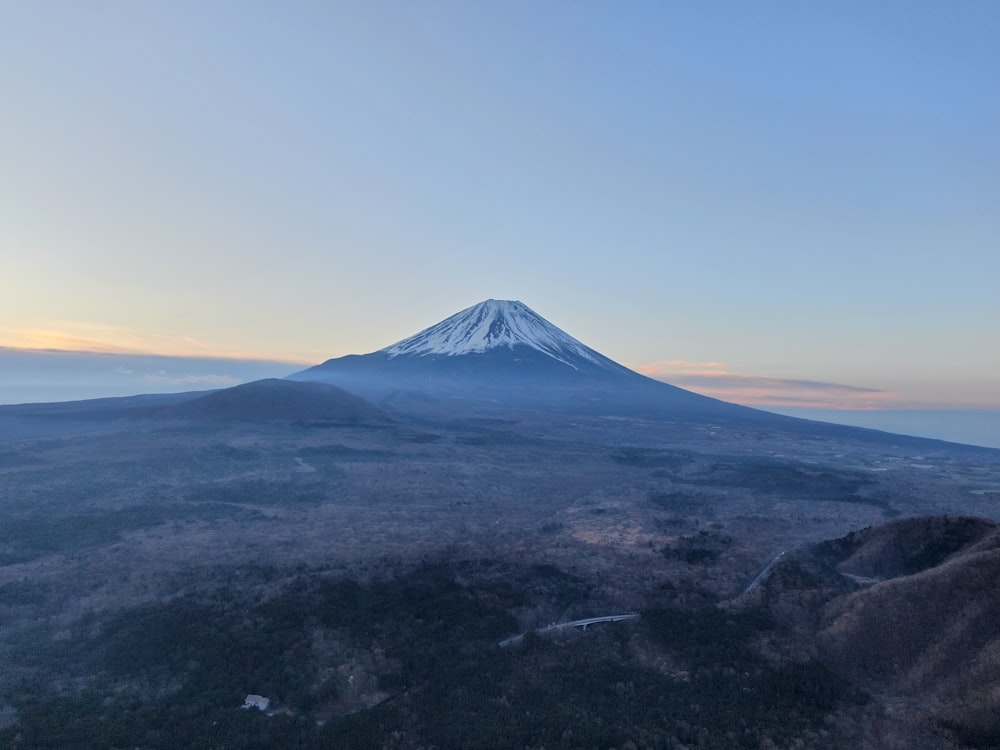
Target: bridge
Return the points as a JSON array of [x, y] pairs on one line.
[[762, 576], [582, 624]]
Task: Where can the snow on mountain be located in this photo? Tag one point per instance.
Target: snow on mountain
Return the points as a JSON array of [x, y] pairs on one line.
[[494, 324]]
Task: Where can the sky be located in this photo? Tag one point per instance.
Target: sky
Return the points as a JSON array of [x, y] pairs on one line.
[[785, 204]]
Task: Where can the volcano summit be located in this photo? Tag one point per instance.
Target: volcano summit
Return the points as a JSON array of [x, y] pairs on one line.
[[500, 324]]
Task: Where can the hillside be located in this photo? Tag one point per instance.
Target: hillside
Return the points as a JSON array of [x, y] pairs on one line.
[[274, 400], [909, 609]]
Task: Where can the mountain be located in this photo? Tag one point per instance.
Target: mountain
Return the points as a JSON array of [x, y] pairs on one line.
[[500, 353], [500, 356], [273, 400]]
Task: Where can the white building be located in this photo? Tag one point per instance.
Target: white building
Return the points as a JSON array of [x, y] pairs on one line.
[[256, 701]]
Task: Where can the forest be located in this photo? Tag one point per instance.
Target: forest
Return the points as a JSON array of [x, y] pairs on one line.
[[426, 647]]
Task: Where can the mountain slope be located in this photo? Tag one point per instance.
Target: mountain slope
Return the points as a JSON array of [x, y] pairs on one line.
[[910, 608], [501, 354]]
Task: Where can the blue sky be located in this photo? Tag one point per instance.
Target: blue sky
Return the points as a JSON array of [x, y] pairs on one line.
[[749, 198]]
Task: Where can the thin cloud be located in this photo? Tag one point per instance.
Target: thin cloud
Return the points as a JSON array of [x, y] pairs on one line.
[[50, 339], [162, 378], [713, 379], [655, 369], [84, 337]]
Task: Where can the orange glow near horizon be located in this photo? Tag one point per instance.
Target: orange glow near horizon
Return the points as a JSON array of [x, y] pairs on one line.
[[98, 339]]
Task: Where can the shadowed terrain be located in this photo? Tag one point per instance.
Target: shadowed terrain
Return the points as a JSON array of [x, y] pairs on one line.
[[908, 609]]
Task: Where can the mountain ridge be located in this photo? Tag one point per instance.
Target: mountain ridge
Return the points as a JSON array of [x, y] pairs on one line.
[[907, 608]]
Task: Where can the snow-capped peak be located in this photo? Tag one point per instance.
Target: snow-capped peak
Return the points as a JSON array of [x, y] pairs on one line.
[[493, 324]]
